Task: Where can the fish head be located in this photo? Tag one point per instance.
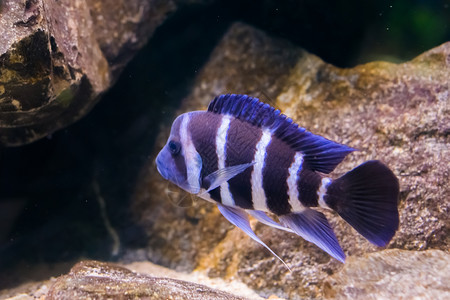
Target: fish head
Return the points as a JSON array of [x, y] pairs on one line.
[[178, 161]]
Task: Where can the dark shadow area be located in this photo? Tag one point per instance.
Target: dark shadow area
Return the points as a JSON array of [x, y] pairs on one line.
[[49, 183]]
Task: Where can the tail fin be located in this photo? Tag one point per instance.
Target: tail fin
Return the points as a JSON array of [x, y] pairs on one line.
[[367, 197]]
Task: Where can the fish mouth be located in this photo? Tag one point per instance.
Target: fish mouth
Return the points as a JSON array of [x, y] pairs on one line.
[[161, 169], [161, 173]]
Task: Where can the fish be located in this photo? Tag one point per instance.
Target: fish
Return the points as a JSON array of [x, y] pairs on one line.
[[248, 158]]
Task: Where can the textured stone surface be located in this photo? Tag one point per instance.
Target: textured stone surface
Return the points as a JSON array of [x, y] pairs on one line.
[[234, 287], [97, 280], [392, 273], [56, 58], [88, 274], [28, 291], [398, 113]]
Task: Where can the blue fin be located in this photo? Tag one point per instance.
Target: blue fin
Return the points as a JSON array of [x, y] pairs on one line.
[[313, 227], [220, 176], [264, 218], [239, 218], [320, 154], [367, 198]]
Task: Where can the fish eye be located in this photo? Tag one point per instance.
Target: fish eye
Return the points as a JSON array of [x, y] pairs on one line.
[[174, 147]]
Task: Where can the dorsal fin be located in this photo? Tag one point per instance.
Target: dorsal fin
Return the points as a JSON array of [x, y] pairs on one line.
[[320, 154]]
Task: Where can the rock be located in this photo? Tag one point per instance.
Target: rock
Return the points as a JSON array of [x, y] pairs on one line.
[[27, 291], [98, 280], [392, 273], [234, 287], [57, 58], [144, 270], [398, 113]]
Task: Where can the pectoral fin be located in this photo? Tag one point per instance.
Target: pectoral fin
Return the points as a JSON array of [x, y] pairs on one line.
[[220, 176], [313, 227], [239, 218]]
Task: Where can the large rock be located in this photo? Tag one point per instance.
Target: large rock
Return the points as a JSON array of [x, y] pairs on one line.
[[57, 57], [390, 273], [97, 280], [398, 113], [137, 280]]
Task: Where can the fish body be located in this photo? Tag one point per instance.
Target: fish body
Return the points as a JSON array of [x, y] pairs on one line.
[[248, 158]]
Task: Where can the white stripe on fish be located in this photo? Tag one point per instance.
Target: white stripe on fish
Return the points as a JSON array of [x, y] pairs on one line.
[[292, 184], [323, 190], [258, 194], [193, 165], [221, 141]]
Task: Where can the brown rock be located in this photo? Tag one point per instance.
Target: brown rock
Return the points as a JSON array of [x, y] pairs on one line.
[[392, 274], [398, 113], [27, 291], [98, 280], [56, 58]]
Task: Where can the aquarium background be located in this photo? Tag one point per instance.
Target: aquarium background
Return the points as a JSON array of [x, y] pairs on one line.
[[52, 190]]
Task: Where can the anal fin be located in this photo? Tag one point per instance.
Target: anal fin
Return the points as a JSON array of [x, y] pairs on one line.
[[239, 218], [314, 227]]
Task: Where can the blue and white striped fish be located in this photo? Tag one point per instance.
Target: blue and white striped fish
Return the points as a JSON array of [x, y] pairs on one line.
[[248, 158]]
